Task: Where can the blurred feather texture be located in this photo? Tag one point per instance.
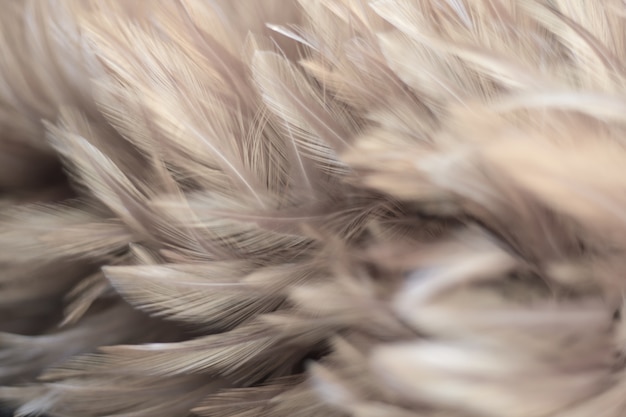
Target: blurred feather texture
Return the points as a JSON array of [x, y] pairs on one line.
[[282, 208]]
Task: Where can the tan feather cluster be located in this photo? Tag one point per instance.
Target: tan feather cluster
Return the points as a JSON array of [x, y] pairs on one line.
[[308, 208]]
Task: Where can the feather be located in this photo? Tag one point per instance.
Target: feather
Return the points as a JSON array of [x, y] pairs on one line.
[[26, 356], [244, 402], [218, 297], [302, 111], [53, 232], [120, 397], [312, 208]]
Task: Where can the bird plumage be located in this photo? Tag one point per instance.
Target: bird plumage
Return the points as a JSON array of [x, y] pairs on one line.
[[312, 208]]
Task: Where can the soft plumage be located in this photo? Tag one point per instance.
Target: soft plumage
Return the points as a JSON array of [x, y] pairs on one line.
[[313, 208]]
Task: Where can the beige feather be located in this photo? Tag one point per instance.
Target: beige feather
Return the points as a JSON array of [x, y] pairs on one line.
[[312, 208]]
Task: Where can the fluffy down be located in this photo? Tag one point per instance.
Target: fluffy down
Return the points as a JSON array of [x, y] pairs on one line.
[[277, 208]]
